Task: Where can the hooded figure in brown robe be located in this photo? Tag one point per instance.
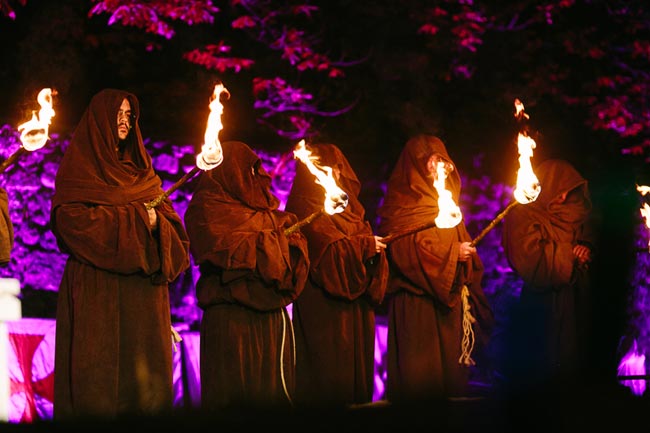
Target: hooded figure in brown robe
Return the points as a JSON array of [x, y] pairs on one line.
[[334, 317], [113, 335], [434, 292], [6, 229], [549, 243], [250, 271]]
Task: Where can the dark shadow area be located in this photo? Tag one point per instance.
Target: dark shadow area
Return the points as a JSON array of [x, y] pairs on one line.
[[602, 408], [38, 303]]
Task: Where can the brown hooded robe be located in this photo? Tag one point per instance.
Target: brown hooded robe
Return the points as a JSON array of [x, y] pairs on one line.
[[554, 311], [334, 317], [425, 323], [250, 271], [113, 337]]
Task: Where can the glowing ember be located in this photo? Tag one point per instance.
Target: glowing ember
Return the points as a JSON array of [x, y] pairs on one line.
[[34, 133], [336, 200], [211, 152], [449, 214]]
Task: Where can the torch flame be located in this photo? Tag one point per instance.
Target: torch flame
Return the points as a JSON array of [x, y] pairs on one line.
[[34, 133], [449, 214], [528, 187], [645, 210], [211, 152], [519, 110], [643, 189], [336, 200]]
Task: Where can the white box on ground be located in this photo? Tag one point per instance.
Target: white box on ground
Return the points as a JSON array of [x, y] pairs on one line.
[[10, 307]]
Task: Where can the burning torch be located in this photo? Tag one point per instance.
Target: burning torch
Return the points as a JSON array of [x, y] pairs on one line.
[[528, 187], [34, 133], [211, 153], [336, 200], [645, 210]]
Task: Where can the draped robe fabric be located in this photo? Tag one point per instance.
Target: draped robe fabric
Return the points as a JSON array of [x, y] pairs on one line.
[[113, 351], [250, 271], [424, 292], [334, 317], [551, 324]]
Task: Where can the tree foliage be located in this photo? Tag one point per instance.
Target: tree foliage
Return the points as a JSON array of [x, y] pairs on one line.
[[308, 61], [592, 56]]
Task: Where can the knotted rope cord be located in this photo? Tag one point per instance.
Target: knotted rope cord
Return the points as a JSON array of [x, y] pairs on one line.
[[467, 343], [293, 339], [176, 338]]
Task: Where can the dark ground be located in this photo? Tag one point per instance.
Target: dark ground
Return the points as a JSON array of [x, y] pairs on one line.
[[603, 407]]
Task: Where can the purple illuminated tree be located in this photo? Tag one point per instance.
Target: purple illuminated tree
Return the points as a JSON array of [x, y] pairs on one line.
[[287, 108], [306, 61]]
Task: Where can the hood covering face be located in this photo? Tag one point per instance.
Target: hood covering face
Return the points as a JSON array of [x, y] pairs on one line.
[[242, 179], [236, 236], [307, 197], [558, 177], [231, 200], [412, 200], [92, 171]]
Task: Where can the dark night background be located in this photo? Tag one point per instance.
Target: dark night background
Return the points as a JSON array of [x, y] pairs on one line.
[[378, 72]]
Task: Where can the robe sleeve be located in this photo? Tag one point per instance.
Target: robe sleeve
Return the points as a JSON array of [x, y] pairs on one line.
[[272, 272], [541, 261], [173, 243], [428, 260], [265, 252], [118, 239], [341, 270]]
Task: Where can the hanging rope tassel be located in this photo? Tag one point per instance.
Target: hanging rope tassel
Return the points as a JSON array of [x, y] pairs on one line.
[[286, 320], [176, 338], [467, 344]]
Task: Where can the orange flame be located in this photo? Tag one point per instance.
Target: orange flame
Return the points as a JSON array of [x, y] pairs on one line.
[[528, 187], [449, 214], [336, 200], [645, 210], [211, 152], [643, 189], [34, 133], [519, 109]]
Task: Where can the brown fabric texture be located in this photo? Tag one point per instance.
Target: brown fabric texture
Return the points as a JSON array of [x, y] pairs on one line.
[[250, 271], [538, 237], [425, 309], [113, 337], [334, 317], [554, 313], [6, 229]]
